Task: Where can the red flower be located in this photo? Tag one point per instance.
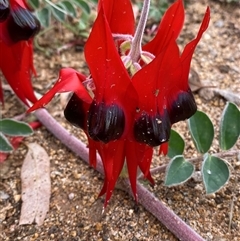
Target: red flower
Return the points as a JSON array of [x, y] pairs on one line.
[[133, 95], [17, 27]]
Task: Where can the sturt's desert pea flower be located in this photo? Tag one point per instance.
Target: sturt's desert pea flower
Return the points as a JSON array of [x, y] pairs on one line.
[[133, 93]]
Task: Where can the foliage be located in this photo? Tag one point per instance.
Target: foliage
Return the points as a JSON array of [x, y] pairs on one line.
[[10, 127], [215, 171], [76, 15]]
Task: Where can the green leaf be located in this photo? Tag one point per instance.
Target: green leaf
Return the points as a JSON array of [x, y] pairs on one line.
[[15, 128], [83, 5], [58, 12], [175, 145], [34, 3], [44, 16], [229, 126], [201, 130], [178, 171], [215, 173], [69, 8], [5, 145]]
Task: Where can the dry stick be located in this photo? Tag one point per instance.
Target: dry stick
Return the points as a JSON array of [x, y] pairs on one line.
[[146, 198]]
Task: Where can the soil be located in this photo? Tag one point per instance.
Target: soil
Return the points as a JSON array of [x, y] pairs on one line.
[[75, 211]]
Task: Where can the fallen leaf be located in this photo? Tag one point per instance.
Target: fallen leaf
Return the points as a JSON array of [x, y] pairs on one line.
[[36, 185], [195, 82]]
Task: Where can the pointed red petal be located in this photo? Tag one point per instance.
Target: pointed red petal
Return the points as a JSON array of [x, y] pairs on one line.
[[146, 162], [170, 27], [158, 79], [113, 156], [186, 56], [119, 15], [69, 80], [163, 149], [17, 67], [108, 72], [138, 155]]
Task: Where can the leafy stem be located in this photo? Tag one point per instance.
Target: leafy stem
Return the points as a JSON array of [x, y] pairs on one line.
[[194, 160]]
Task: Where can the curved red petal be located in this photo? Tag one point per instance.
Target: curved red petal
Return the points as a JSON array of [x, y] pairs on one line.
[[69, 80], [19, 72], [119, 15], [138, 155], [170, 27], [158, 79], [112, 155], [187, 54]]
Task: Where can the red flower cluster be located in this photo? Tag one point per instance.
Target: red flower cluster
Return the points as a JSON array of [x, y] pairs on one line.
[[17, 27], [133, 94]]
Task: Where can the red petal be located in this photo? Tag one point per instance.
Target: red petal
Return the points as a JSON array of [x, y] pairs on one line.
[[138, 155], [119, 15], [186, 56], [157, 80], [170, 27], [17, 67], [163, 149], [69, 80], [16, 3], [113, 156]]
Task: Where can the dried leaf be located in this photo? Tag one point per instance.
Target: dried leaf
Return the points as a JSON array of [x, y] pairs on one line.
[[206, 90], [36, 185], [194, 81]]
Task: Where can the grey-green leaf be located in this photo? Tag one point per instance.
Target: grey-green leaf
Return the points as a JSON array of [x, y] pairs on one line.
[[5, 145], [178, 171], [15, 128], [229, 126], [59, 12], [175, 145], [44, 16], [69, 8], [215, 173], [83, 5], [201, 130]]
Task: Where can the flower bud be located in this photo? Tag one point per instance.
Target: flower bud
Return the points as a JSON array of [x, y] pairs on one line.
[[105, 122], [152, 130]]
